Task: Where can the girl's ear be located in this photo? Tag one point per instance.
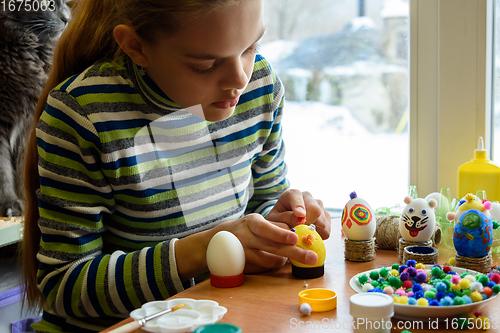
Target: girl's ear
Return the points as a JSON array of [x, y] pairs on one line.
[[131, 44]]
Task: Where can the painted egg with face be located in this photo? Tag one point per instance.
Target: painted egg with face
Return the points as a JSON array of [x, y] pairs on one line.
[[473, 234], [309, 239], [418, 220], [358, 220], [469, 202]]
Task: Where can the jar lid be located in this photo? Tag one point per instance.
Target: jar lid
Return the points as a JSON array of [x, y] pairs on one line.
[[371, 305]]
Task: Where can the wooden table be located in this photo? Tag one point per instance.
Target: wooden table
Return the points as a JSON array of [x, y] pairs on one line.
[[269, 302]]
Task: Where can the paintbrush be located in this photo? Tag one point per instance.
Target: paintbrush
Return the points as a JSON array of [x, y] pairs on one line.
[[136, 324]]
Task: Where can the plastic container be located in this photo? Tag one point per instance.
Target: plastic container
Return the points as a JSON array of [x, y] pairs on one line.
[[372, 312], [319, 299], [218, 328], [479, 174]]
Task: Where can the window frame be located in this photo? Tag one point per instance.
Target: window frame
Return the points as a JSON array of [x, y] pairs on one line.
[[450, 75]]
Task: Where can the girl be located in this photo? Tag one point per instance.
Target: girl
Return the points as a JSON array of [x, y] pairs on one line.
[[160, 127]]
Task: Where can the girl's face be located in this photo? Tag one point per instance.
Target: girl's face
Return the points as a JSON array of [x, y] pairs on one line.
[[210, 60]]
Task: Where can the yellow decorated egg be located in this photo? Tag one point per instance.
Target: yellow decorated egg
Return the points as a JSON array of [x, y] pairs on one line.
[[310, 239]]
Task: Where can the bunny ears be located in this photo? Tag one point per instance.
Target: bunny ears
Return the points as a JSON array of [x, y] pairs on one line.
[[432, 202]]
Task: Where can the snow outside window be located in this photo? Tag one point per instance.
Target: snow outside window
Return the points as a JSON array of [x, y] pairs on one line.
[[344, 64]]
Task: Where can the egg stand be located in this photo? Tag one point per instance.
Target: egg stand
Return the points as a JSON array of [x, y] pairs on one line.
[[481, 265], [422, 254], [359, 250], [404, 244], [308, 272]]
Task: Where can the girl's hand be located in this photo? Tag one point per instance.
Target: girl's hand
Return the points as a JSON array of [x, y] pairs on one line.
[[293, 206], [266, 245]]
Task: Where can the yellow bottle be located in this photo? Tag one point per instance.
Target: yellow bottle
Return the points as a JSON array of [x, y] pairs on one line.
[[480, 174]]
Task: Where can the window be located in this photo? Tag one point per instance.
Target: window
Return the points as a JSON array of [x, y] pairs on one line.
[[449, 101], [344, 64]]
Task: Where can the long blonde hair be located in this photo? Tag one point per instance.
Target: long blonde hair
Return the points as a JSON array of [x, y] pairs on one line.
[[87, 39]]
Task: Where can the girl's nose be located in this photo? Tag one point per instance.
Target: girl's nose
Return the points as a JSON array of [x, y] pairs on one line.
[[235, 76]]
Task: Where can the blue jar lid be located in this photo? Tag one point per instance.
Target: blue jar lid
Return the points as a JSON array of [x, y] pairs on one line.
[[218, 328]]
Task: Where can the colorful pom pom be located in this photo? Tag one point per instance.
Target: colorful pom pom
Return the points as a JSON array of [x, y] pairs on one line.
[[367, 287], [421, 277], [411, 262], [384, 272], [374, 275], [495, 277], [407, 284], [467, 299], [484, 280], [362, 279], [476, 296], [488, 291], [446, 301], [476, 286], [464, 284], [455, 279], [388, 290], [430, 294], [412, 301], [441, 287], [422, 302]]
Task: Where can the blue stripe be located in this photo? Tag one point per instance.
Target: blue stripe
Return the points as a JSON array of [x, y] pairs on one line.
[[139, 220], [94, 218], [104, 89], [257, 93], [91, 283], [257, 176], [68, 291], [74, 188], [114, 125], [82, 240], [150, 274], [82, 131], [60, 151], [120, 283], [68, 82]]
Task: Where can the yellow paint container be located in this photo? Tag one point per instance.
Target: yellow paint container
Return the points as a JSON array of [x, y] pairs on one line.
[[319, 299]]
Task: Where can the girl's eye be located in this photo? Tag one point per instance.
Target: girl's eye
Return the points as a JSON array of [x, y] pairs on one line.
[[203, 71]]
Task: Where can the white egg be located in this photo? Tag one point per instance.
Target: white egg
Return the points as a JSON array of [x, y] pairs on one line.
[[495, 211], [225, 255], [358, 220]]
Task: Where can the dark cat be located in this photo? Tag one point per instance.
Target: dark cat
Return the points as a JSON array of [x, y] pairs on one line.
[[28, 33]]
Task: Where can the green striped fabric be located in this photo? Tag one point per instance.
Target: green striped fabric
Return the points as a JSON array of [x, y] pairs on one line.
[[124, 173]]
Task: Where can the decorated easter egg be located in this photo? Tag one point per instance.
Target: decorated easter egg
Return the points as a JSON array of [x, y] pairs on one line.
[[309, 239], [467, 203], [358, 220], [418, 220], [473, 234]]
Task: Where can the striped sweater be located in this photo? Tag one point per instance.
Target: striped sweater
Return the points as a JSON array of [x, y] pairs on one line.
[[124, 172]]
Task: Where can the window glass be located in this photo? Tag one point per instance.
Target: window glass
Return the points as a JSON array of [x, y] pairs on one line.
[[344, 64]]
